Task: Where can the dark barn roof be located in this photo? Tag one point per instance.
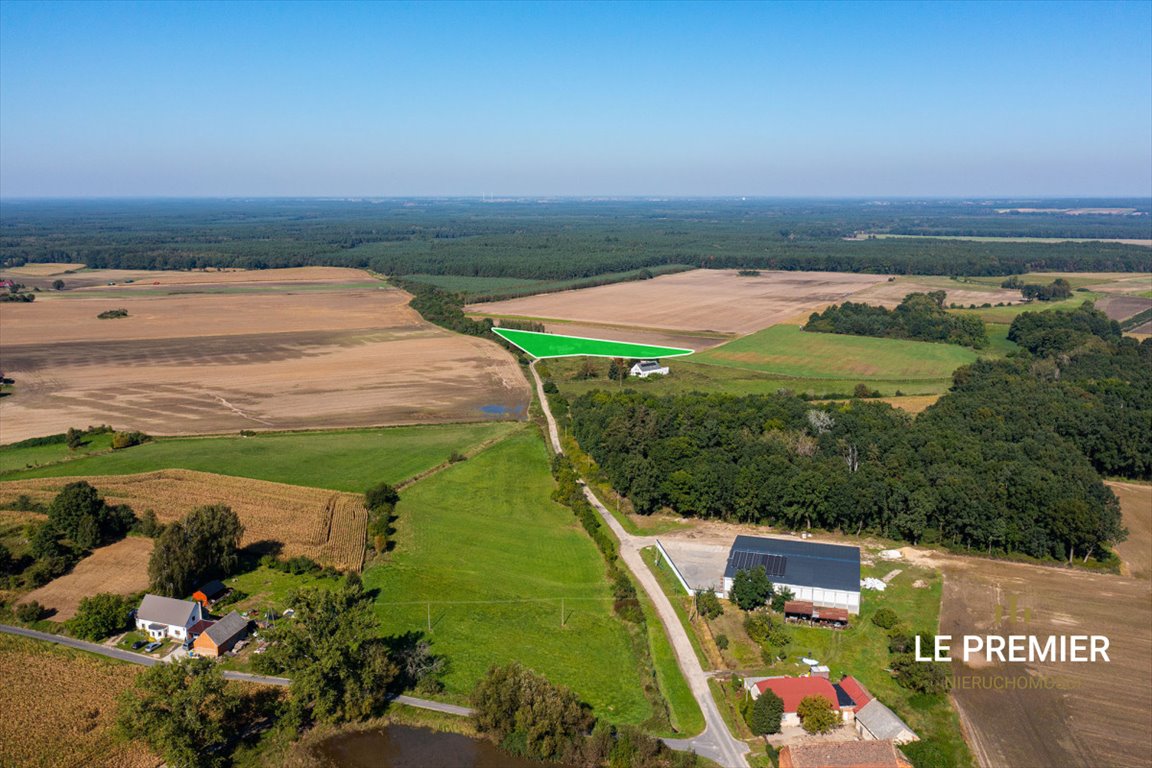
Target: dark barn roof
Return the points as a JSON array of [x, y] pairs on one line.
[[802, 563], [212, 589]]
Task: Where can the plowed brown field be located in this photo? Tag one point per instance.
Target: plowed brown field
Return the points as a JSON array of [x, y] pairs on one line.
[[1136, 507], [1050, 713], [58, 708], [700, 300], [121, 568], [329, 527], [209, 363]]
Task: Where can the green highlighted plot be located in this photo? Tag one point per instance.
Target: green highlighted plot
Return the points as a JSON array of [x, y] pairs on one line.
[[553, 345]]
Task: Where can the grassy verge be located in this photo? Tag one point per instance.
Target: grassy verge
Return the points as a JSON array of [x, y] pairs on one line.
[[484, 564], [683, 709], [681, 602], [340, 460]]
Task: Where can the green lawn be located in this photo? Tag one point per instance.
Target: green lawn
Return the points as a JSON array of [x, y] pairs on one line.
[[37, 455], [788, 351], [348, 460], [688, 376], [484, 555]]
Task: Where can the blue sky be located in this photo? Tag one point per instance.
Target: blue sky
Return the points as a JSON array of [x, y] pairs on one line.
[[395, 99]]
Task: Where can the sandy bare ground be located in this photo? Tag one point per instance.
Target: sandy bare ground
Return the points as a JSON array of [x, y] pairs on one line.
[[1095, 714], [890, 294], [38, 269], [120, 568], [699, 300], [1136, 508], [148, 279], [1123, 307], [195, 364], [327, 526]]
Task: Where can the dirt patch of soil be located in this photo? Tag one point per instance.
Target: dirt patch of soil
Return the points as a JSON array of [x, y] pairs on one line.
[[699, 300], [1051, 713], [891, 294], [120, 568], [1121, 308], [1136, 509]]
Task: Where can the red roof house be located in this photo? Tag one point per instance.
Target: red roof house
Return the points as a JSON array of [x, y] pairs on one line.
[[793, 690], [858, 693]]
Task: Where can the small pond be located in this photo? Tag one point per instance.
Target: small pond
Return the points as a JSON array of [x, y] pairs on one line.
[[401, 746]]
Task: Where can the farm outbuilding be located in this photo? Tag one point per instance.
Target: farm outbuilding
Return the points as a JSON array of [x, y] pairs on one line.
[[209, 593], [645, 368], [222, 636], [793, 690], [825, 575], [164, 617], [843, 754]]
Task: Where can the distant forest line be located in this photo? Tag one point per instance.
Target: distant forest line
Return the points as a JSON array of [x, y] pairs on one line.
[[567, 240]]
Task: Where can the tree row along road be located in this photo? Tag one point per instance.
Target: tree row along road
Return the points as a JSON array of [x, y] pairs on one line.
[[716, 742], [148, 661]]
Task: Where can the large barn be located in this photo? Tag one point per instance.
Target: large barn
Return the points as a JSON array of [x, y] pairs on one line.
[[827, 575]]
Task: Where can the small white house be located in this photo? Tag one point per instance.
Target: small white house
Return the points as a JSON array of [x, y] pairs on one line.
[[646, 368], [164, 617]]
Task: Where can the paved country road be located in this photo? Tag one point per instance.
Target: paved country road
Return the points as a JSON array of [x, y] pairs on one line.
[[716, 742], [149, 661]]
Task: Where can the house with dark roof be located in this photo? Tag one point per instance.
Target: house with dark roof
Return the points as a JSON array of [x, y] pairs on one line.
[[222, 636], [164, 617], [209, 593], [826, 575], [843, 754]]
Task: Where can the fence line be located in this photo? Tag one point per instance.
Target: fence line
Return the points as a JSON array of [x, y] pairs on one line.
[[672, 565]]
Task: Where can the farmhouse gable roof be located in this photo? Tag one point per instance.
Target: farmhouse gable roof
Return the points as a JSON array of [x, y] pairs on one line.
[[227, 628], [792, 690], [167, 610], [843, 754]]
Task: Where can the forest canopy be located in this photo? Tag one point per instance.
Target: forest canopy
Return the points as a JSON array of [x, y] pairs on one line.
[[1007, 461], [920, 317]]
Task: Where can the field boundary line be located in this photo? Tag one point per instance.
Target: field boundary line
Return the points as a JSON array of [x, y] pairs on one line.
[[675, 570], [470, 453]]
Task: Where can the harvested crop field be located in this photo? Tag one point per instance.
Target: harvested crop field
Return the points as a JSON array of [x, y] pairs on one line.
[[121, 568], [1136, 508], [329, 527], [1121, 308], [700, 300], [58, 708], [41, 269], [1067, 714], [196, 364], [890, 294], [134, 281]]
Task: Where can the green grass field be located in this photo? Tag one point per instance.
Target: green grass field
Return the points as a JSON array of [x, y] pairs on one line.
[[788, 351], [483, 550], [544, 345], [1006, 315], [348, 460], [699, 377]]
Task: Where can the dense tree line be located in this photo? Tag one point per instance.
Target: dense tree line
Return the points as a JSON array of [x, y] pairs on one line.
[[559, 240], [920, 317], [1005, 462], [1055, 291], [529, 716]]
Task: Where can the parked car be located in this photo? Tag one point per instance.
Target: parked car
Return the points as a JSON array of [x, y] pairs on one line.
[[152, 647], [139, 644]]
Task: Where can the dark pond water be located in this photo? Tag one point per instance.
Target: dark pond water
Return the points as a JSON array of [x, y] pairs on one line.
[[399, 746], [502, 410]]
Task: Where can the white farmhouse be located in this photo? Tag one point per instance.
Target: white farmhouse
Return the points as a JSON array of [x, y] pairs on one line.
[[646, 368], [164, 617]]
